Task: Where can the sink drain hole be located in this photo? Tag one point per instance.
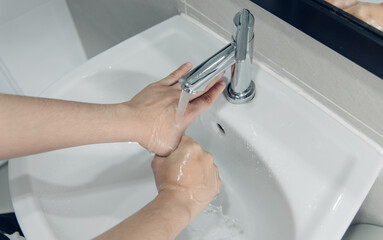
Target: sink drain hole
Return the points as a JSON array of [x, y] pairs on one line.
[[220, 129]]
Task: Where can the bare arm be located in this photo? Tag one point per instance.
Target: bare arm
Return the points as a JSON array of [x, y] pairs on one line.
[[180, 198], [33, 125], [161, 219]]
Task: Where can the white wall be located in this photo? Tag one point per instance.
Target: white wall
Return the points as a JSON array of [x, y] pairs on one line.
[[102, 24], [38, 45]]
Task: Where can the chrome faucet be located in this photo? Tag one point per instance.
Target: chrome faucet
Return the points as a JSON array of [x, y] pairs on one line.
[[238, 54]]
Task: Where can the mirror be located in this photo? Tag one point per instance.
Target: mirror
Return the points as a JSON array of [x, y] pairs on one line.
[[353, 28], [369, 11]]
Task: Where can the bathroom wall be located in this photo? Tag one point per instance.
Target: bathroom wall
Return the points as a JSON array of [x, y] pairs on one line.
[[7, 83], [38, 45], [345, 88], [103, 24]]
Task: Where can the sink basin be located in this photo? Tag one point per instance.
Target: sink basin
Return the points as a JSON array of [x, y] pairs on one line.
[[290, 169]]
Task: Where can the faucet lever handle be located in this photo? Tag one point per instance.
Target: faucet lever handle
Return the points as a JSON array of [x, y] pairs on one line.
[[243, 33]]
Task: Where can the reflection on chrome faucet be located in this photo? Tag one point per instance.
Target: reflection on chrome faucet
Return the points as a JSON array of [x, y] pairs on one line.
[[238, 54]]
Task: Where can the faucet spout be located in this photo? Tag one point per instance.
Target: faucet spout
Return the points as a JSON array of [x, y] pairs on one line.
[[198, 78], [238, 54]]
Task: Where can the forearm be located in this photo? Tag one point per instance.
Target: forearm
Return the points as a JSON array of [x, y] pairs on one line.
[[32, 125], [180, 198], [162, 219]]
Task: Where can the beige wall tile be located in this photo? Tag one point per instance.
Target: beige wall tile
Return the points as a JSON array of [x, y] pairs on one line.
[[200, 17]]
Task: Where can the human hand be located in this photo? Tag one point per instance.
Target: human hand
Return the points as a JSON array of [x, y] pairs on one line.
[[187, 180], [190, 173], [342, 3], [370, 13], [154, 110]]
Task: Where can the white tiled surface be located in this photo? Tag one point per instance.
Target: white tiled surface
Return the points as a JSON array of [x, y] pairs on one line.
[[11, 9], [40, 46]]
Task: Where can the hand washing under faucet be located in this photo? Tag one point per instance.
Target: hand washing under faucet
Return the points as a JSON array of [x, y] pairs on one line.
[[238, 54]]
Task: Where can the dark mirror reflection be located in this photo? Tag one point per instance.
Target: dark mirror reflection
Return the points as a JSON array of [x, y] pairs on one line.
[[370, 11]]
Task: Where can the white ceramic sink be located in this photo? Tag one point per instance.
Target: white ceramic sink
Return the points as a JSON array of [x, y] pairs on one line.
[[289, 170]]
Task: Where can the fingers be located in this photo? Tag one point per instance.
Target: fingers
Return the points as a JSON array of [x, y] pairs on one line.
[[177, 74], [212, 83], [202, 103]]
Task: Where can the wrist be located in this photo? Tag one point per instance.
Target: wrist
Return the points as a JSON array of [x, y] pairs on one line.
[[125, 125], [180, 200]]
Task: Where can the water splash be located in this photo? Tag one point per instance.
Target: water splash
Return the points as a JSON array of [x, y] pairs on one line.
[[182, 166], [182, 105], [213, 224]]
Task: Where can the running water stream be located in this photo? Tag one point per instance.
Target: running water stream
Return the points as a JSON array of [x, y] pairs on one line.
[[212, 223], [182, 105]]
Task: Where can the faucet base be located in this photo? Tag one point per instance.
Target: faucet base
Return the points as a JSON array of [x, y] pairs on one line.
[[242, 97]]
